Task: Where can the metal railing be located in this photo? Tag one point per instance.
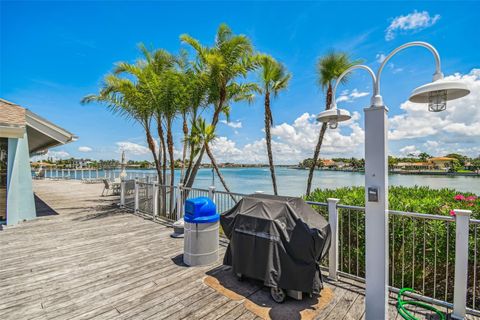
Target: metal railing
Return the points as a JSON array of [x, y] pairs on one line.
[[423, 248], [90, 175], [422, 252]]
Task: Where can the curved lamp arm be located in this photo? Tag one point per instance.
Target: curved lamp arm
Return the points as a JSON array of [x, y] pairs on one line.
[[436, 76], [355, 67]]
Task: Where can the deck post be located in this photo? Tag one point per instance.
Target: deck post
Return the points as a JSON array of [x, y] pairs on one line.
[[211, 193], [136, 195], [462, 219], [180, 201], [122, 194], [333, 252], [75, 173], [155, 200]]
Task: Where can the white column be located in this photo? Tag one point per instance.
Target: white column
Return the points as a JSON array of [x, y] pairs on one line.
[[122, 194], [136, 196], [376, 212], [180, 201], [333, 252], [82, 173], [211, 193], [75, 173], [155, 200], [462, 219]]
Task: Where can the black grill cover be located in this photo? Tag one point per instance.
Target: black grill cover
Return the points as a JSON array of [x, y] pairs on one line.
[[279, 240]]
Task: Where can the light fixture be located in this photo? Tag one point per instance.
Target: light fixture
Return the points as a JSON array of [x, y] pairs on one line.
[[333, 117], [437, 93]]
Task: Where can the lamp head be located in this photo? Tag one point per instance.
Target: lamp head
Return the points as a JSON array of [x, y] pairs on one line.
[[333, 117], [437, 93]]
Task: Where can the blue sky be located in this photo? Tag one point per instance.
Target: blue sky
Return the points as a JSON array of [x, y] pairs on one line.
[[54, 53]]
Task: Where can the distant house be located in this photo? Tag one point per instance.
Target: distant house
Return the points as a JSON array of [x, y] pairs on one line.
[[413, 166], [22, 135], [442, 163], [327, 163]]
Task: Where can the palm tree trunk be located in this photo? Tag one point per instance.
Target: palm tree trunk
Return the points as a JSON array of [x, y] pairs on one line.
[[316, 154], [216, 116], [219, 174], [172, 164], [163, 149], [268, 138], [163, 175], [151, 146], [185, 136]]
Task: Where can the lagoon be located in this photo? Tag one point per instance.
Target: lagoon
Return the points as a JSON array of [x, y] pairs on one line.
[[292, 182]]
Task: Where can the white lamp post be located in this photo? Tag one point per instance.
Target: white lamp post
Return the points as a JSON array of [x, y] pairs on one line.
[[123, 164], [436, 95]]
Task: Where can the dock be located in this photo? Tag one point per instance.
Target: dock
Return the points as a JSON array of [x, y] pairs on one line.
[[85, 258]]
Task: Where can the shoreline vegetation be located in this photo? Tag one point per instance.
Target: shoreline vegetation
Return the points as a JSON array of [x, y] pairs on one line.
[[87, 164]]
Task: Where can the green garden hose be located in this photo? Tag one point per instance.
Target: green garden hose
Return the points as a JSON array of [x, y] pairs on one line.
[[406, 314]]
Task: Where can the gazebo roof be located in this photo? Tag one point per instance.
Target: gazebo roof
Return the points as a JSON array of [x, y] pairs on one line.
[[42, 134]]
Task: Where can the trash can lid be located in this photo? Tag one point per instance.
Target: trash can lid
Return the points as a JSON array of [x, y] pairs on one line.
[[200, 210]]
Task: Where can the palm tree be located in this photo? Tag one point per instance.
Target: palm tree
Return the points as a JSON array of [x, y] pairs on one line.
[[273, 79], [230, 58], [329, 68], [146, 72], [205, 134], [123, 96]]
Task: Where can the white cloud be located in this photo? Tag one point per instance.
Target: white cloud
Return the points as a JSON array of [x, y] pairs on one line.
[[85, 149], [233, 124], [51, 154], [449, 131], [347, 96], [294, 142], [380, 57], [409, 151], [133, 148], [414, 21]]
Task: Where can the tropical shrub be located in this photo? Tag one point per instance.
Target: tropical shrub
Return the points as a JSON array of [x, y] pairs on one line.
[[421, 251]]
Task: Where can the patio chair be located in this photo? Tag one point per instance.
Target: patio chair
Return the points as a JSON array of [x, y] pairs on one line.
[[113, 187], [106, 187]]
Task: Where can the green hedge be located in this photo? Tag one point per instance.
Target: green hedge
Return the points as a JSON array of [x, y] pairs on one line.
[[411, 199], [421, 251]]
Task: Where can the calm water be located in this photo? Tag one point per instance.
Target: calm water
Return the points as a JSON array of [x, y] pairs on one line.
[[293, 181]]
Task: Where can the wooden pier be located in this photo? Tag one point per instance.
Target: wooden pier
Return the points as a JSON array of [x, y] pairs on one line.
[[84, 258]]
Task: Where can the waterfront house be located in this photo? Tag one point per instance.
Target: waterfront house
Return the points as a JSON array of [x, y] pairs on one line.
[[22, 135], [417, 166], [442, 163]]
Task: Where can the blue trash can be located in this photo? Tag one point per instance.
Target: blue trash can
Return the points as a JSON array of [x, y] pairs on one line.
[[201, 232]]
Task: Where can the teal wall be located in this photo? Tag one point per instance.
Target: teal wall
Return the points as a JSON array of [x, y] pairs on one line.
[[20, 201]]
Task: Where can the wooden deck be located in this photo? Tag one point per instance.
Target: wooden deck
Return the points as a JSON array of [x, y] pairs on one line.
[[86, 259]]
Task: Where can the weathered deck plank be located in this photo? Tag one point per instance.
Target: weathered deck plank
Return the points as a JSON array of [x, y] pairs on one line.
[[86, 259]]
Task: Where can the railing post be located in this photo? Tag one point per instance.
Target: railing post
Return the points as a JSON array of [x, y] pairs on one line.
[[180, 201], [82, 173], [122, 193], [333, 252], [75, 173], [211, 193], [136, 196], [155, 200], [462, 221]]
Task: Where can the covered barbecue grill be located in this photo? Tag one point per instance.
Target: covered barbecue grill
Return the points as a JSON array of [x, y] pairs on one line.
[[278, 240]]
